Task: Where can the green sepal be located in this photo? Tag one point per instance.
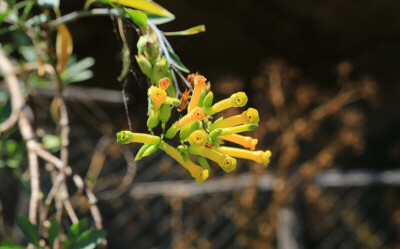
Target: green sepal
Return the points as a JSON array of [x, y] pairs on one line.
[[203, 162], [184, 152], [165, 114], [150, 150], [202, 96], [208, 100], [171, 132], [160, 69], [144, 64], [142, 149], [153, 119]]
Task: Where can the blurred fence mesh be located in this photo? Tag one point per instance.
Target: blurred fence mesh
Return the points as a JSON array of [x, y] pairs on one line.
[[308, 197]]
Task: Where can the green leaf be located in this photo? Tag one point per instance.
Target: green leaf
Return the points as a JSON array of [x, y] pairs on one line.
[[13, 163], [74, 232], [144, 5], [78, 228], [77, 71], [28, 229], [191, 31], [81, 65], [89, 239], [52, 142], [49, 3], [79, 77], [4, 15], [27, 10], [139, 17], [11, 147], [177, 62], [28, 52], [157, 20], [11, 247], [53, 231]]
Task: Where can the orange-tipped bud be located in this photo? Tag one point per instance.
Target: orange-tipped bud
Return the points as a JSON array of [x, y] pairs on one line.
[[164, 83]]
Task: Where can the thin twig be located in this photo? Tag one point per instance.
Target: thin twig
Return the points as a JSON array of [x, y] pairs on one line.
[[10, 122], [17, 102]]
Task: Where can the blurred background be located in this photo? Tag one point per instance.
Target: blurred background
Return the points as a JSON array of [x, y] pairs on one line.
[[324, 77]]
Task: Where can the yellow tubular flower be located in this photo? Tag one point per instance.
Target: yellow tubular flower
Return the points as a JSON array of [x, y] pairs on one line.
[[247, 117], [198, 138], [257, 156], [245, 141], [126, 137], [196, 114], [158, 96], [164, 83], [196, 171], [227, 163], [199, 83], [232, 130], [236, 100]]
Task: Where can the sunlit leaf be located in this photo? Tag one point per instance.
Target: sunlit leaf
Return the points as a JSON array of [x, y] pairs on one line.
[[139, 17], [63, 46], [191, 31], [177, 62], [144, 5], [30, 232], [78, 228]]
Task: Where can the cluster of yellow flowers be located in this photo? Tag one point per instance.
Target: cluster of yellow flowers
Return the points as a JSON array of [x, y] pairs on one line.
[[199, 135]]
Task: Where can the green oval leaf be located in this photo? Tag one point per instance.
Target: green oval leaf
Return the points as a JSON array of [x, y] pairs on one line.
[[145, 5], [139, 17], [191, 31], [28, 229]]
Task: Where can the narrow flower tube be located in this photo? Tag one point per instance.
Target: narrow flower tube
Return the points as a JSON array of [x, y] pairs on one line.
[[257, 156], [196, 114], [199, 83], [236, 100], [226, 162], [232, 130], [126, 137], [247, 117], [196, 171], [245, 141]]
